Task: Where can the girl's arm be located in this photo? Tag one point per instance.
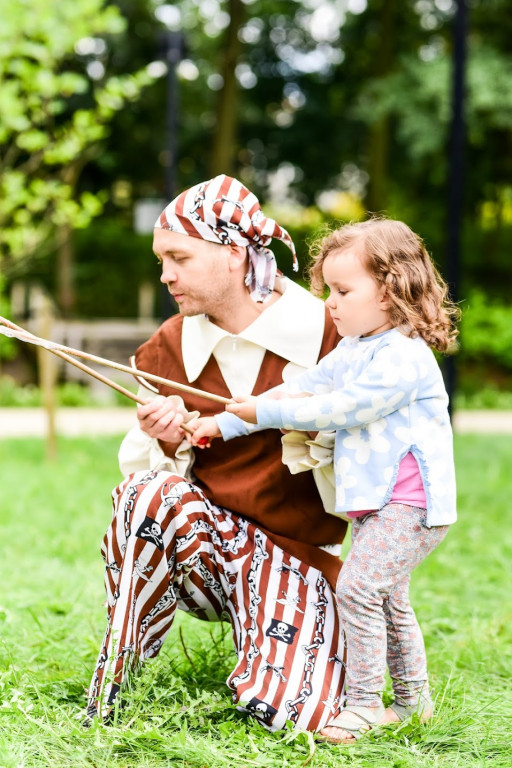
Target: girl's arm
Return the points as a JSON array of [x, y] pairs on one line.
[[245, 407], [232, 423], [390, 381]]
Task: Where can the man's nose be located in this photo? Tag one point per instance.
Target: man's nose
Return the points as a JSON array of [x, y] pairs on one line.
[[168, 273]]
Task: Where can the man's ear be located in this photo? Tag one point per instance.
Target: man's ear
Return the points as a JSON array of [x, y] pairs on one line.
[[237, 256]]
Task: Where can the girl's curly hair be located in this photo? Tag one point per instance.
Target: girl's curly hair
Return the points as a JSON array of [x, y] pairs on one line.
[[397, 258]]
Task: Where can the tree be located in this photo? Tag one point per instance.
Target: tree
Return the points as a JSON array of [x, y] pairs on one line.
[[56, 102]]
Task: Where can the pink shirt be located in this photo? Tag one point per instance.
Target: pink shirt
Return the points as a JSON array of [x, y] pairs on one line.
[[408, 487]]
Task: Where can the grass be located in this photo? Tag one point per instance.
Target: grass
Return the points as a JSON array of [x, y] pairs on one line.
[[179, 713]]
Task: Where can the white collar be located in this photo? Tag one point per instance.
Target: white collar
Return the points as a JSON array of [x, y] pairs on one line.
[[292, 327]]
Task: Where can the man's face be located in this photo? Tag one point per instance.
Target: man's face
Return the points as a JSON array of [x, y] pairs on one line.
[[196, 272]]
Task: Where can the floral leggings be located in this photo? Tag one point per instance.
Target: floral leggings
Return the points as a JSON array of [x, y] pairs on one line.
[[373, 600]]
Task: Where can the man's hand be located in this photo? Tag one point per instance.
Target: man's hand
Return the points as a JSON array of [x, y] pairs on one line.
[[244, 408], [204, 430], [162, 418]]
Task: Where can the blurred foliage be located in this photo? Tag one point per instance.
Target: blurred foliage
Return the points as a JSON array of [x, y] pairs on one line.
[[487, 330], [482, 397], [70, 394], [30, 396], [7, 345], [485, 356], [339, 107], [53, 116], [112, 261]]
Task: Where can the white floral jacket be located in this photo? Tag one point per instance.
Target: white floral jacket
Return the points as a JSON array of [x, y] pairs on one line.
[[384, 395]]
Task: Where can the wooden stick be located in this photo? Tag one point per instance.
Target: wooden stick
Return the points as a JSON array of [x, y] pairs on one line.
[[88, 370], [83, 367], [54, 347]]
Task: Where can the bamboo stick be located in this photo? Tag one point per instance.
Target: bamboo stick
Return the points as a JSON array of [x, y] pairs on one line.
[[86, 369], [53, 346]]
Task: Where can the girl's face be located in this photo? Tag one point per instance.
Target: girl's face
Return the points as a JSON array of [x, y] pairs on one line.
[[357, 304]]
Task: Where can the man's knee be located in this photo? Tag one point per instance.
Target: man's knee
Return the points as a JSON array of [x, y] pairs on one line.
[[155, 495]]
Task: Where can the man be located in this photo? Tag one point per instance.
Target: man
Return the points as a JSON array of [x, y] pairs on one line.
[[226, 532]]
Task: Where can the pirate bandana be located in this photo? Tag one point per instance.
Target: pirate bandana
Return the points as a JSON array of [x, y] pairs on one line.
[[222, 210]]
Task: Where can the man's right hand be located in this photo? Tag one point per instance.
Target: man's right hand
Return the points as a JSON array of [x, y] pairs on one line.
[[162, 418]]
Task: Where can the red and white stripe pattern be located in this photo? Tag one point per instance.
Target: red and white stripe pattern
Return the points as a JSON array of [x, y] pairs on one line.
[[169, 548], [222, 210]]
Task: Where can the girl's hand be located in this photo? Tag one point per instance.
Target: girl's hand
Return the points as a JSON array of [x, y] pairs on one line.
[[204, 430], [244, 408]]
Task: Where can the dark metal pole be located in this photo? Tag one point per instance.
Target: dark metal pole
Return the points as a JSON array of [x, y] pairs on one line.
[[173, 55], [456, 173], [174, 50]]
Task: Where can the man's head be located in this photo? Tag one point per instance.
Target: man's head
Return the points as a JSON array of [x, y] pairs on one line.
[[203, 277], [215, 223]]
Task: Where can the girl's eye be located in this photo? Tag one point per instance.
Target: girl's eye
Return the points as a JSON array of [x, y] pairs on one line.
[[342, 293]]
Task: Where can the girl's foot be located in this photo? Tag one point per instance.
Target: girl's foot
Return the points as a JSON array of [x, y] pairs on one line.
[[396, 714], [359, 720], [351, 724]]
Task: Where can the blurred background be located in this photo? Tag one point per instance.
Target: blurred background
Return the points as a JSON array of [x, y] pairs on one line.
[[326, 109]]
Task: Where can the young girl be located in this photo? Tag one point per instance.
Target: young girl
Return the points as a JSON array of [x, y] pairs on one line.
[[382, 391]]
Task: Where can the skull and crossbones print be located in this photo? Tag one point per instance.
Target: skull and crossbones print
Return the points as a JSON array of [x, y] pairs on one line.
[[281, 631], [263, 711], [151, 531]]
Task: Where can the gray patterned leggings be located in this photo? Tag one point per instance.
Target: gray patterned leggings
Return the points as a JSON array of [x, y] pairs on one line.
[[373, 600]]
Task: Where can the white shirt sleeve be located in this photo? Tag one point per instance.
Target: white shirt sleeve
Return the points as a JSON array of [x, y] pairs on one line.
[[139, 451]]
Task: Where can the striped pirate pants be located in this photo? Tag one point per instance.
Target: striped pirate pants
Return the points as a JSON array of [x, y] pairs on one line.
[[168, 547]]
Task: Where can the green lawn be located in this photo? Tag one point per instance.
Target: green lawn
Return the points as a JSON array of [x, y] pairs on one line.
[[52, 518]]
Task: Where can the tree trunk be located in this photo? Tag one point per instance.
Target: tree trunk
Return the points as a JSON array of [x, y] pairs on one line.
[[224, 142], [66, 296], [378, 149]]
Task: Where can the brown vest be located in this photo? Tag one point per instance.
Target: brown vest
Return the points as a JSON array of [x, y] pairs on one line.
[[246, 474]]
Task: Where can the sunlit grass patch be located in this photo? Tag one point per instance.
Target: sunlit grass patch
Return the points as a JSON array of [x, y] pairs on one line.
[[178, 711]]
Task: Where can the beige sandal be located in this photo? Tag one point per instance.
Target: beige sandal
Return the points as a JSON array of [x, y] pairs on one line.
[[404, 712], [354, 720]]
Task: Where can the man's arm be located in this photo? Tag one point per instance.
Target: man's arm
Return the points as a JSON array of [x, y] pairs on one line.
[[161, 417]]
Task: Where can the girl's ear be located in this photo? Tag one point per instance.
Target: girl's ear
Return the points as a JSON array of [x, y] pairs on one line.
[[384, 300]]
